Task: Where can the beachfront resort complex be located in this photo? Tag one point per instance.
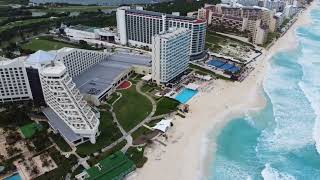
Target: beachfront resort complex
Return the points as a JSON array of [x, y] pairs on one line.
[[90, 108]]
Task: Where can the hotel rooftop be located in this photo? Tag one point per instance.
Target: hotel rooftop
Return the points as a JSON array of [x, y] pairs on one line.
[[102, 76], [158, 14]]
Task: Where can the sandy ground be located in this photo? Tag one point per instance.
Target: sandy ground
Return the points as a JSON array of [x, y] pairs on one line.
[[182, 156]]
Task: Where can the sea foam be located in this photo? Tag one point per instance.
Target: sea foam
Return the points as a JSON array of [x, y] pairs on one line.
[[270, 173]]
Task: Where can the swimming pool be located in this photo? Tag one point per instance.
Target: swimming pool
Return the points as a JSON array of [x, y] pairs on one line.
[[185, 95], [14, 177]]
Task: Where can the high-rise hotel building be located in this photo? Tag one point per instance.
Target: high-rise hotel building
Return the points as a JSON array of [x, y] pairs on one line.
[[137, 27], [170, 54], [63, 97], [14, 85]]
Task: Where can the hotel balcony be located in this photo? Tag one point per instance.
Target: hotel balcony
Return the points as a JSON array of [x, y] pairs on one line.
[[71, 85], [86, 110], [82, 104], [67, 80]]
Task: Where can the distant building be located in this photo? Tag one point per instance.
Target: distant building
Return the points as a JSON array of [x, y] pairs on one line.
[[136, 28], [14, 85], [290, 11], [239, 18], [277, 5], [170, 55], [85, 32], [261, 34], [193, 14]]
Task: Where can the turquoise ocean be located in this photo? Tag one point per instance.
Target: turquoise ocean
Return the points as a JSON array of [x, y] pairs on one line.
[[280, 141]]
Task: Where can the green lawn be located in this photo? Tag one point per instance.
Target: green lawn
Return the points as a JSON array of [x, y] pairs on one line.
[[94, 160], [22, 23], [112, 98], [109, 134], [132, 108], [141, 131], [63, 145], [30, 129], [213, 38], [46, 45], [149, 88], [78, 170], [136, 155], [166, 105]]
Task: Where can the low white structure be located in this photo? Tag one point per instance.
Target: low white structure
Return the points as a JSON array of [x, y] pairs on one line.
[[163, 125], [147, 77], [14, 85], [79, 32], [192, 86], [170, 54]]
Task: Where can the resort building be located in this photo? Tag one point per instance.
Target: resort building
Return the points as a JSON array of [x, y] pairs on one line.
[[170, 54], [137, 27], [290, 11], [277, 5], [14, 84], [261, 34], [95, 73], [66, 104], [67, 80], [240, 19], [33, 63], [85, 32], [79, 60]]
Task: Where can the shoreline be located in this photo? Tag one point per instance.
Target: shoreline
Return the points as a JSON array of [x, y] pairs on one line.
[[189, 149]]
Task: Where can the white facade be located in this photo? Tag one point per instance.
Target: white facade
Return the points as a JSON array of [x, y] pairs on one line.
[[277, 5], [289, 11], [14, 85], [76, 33], [261, 33], [91, 33], [170, 54], [62, 96], [121, 25], [79, 60], [136, 28]]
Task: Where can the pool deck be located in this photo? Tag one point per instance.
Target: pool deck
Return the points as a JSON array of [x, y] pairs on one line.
[[185, 95]]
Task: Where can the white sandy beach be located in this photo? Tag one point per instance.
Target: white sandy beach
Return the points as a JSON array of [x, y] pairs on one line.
[[183, 157]]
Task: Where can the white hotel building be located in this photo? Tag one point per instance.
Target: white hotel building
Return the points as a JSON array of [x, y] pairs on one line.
[[62, 96], [137, 27], [79, 60], [67, 80], [14, 85], [170, 55]]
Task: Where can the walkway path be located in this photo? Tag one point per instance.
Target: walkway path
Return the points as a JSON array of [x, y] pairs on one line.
[[127, 135], [154, 107]]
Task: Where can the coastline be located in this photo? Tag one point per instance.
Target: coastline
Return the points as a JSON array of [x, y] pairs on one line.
[[186, 152]]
